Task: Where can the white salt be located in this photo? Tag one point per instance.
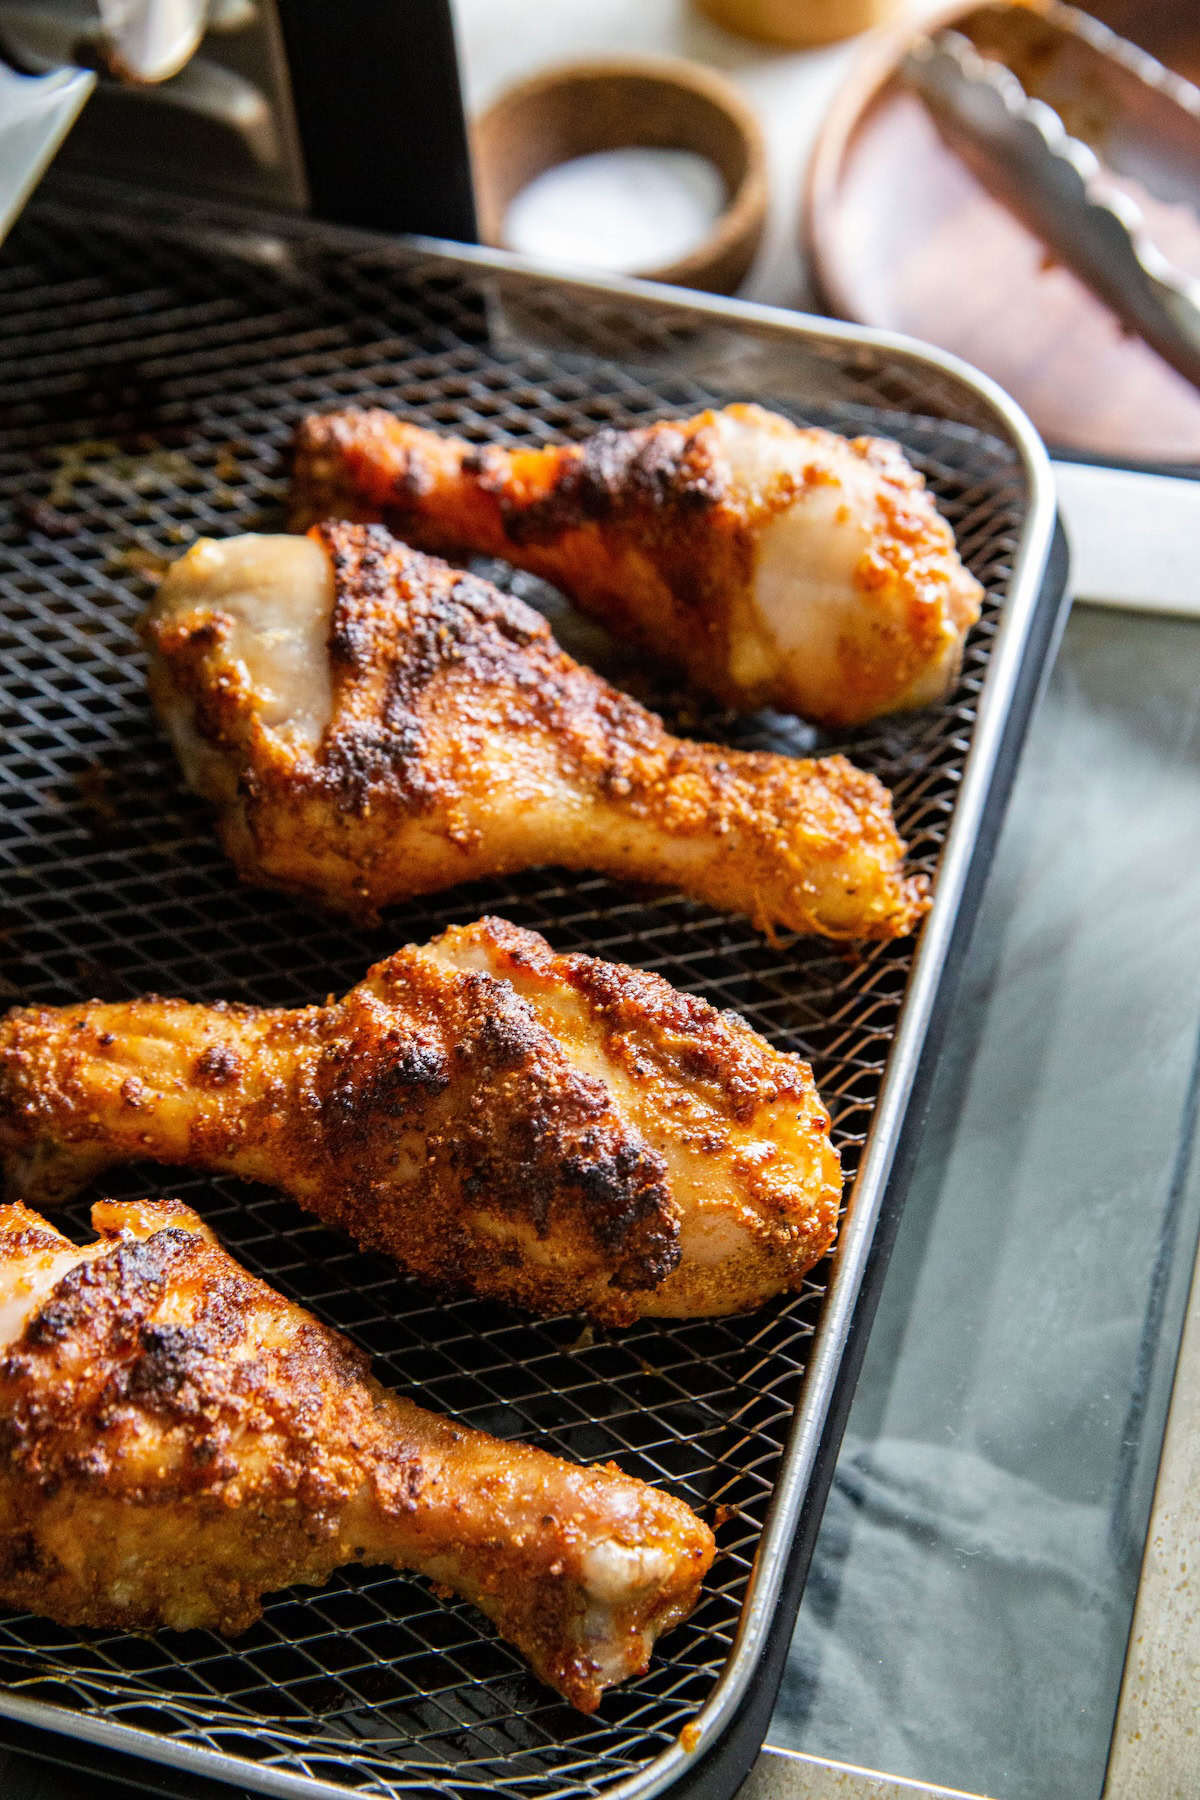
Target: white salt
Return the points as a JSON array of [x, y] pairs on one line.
[[622, 210]]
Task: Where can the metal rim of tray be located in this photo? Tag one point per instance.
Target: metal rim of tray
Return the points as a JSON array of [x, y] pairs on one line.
[[803, 1441]]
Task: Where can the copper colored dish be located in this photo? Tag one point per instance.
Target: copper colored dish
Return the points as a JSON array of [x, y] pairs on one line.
[[901, 235]]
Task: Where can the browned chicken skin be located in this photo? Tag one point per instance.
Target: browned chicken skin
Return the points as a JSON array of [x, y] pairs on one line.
[[552, 1131], [177, 1440], [774, 566], [373, 724]]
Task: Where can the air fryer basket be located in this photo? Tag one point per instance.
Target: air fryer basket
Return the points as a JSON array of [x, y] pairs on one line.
[[151, 370]]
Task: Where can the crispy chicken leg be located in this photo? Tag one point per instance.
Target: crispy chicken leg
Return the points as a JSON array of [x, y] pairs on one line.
[[373, 724], [177, 1439], [776, 567], [552, 1131]]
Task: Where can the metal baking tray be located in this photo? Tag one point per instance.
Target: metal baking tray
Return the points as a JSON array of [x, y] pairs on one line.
[[152, 365]]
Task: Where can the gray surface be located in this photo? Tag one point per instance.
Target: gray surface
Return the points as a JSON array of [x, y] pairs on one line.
[[967, 1615]]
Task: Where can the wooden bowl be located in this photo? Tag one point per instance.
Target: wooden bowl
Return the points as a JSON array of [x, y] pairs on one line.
[[901, 235], [616, 104], [798, 22]]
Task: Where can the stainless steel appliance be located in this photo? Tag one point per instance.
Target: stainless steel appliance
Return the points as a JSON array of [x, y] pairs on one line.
[[254, 100]]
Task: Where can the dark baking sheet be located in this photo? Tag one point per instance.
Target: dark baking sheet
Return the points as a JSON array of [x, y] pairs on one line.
[[151, 369]]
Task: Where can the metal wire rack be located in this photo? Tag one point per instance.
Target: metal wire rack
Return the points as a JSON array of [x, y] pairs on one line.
[[151, 371]]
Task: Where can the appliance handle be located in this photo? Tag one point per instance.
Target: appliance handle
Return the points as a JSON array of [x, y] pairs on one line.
[[380, 114]]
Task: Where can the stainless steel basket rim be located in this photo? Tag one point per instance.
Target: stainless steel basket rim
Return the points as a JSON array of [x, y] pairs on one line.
[[862, 1213]]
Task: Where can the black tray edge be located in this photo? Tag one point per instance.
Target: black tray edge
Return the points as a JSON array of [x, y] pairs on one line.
[[723, 1770]]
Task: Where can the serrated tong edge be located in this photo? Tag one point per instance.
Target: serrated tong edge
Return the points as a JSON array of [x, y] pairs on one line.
[[1021, 150]]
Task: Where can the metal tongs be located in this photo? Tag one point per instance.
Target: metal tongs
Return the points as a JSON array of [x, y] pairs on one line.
[[998, 87]]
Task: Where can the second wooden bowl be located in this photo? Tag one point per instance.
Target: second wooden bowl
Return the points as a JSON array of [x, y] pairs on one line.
[[620, 103]]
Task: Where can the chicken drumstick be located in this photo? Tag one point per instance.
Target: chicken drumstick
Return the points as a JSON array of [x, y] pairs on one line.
[[374, 724], [177, 1439], [775, 566], [551, 1131]]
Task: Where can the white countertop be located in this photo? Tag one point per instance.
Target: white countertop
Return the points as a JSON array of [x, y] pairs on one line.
[[500, 41]]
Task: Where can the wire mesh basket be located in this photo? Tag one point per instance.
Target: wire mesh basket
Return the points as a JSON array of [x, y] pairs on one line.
[[152, 370]]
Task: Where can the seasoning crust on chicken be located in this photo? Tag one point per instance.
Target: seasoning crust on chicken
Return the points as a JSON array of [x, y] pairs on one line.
[[177, 1440], [372, 724], [551, 1131], [775, 566]]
